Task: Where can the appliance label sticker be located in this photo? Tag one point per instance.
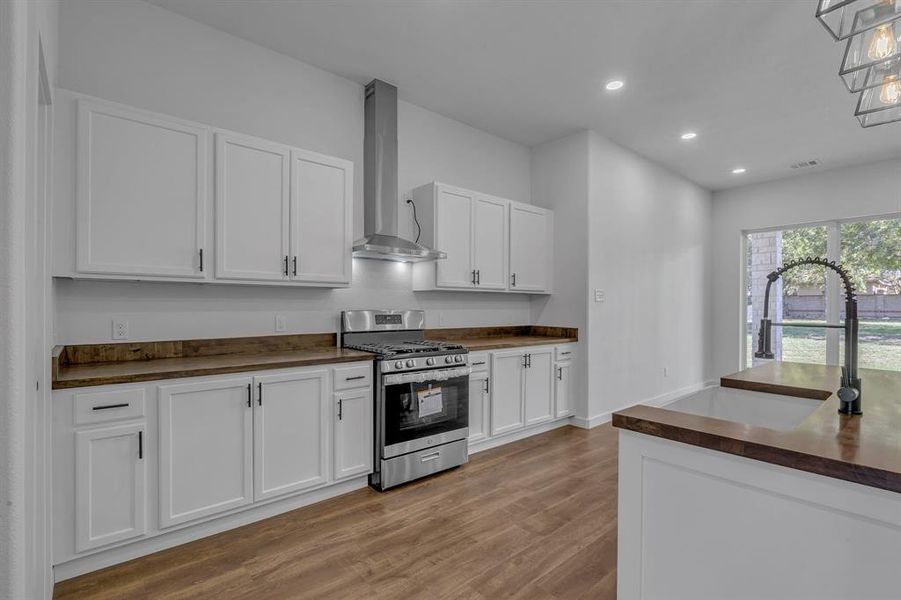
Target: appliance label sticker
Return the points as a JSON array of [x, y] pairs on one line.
[[430, 402]]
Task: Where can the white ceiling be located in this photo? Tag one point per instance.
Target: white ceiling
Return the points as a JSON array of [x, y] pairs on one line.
[[757, 79]]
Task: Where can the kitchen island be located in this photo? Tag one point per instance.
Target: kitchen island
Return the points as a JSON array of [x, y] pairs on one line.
[[715, 508]]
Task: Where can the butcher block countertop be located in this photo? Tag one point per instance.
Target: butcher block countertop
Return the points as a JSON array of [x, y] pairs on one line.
[[130, 362], [864, 449], [106, 364], [478, 339]]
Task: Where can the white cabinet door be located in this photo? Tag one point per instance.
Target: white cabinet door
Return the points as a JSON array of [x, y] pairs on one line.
[[563, 390], [528, 248], [506, 391], [538, 389], [490, 242], [206, 448], [110, 485], [251, 208], [479, 405], [321, 218], [353, 433], [290, 425], [141, 194], [453, 235]]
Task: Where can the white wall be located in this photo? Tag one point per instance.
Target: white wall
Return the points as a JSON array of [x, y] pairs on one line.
[[649, 251], [560, 182], [870, 190], [139, 54]]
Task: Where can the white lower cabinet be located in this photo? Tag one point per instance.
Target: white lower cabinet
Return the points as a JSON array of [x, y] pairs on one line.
[[353, 433], [479, 405], [506, 391], [206, 448], [538, 389], [290, 432], [111, 485], [563, 389]]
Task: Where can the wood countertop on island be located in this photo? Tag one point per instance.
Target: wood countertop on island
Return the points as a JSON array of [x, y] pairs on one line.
[[864, 449]]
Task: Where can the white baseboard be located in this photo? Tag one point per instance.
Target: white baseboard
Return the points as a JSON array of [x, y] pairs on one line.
[[513, 436], [120, 554], [658, 401]]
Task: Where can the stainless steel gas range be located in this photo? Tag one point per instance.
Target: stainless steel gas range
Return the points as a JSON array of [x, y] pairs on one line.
[[421, 394]]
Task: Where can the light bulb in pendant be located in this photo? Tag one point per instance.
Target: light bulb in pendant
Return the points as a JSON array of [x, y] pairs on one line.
[[883, 43], [891, 90]]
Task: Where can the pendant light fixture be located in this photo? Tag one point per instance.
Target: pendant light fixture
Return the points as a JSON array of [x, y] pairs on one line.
[[871, 66]]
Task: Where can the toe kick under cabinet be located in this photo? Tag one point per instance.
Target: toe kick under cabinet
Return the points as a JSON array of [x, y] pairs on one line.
[[133, 462]]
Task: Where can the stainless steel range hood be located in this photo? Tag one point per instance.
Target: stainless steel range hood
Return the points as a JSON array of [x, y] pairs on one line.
[[380, 239]]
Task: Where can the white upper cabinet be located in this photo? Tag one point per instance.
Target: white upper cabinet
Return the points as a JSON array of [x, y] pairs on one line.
[[489, 242], [453, 235], [321, 218], [474, 229], [141, 197], [281, 216], [531, 231], [252, 200]]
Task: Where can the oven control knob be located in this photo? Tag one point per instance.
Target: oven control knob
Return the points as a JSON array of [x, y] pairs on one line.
[[448, 359], [458, 358], [430, 361], [399, 364], [410, 364]]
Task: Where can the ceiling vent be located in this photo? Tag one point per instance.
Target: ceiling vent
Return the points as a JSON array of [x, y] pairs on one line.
[[805, 164]]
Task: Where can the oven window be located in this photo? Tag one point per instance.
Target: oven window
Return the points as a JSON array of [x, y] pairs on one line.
[[416, 410]]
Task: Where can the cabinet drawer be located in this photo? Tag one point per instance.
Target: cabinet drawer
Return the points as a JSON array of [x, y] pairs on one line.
[[562, 353], [478, 361], [110, 405], [353, 377]]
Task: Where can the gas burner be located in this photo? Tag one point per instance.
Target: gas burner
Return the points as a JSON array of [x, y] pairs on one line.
[[419, 347]]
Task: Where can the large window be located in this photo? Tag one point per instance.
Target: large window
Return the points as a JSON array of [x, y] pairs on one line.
[[869, 249]]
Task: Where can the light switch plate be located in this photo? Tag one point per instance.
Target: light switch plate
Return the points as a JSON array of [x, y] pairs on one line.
[[281, 324], [600, 296], [120, 329]]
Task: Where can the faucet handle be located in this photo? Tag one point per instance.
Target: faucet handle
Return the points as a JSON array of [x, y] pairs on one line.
[[847, 394]]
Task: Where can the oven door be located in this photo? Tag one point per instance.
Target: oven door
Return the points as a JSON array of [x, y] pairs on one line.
[[424, 408]]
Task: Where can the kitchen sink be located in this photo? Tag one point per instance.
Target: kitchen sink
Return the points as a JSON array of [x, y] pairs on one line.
[[774, 411]]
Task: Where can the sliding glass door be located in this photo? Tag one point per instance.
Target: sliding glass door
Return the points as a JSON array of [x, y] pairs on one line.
[[869, 249]]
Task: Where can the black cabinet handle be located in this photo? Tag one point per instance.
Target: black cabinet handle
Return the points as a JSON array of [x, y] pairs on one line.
[[286, 265], [560, 373], [108, 406], [478, 277], [140, 445], [514, 280], [295, 266], [249, 396], [340, 409], [481, 362], [355, 377], [473, 277], [201, 260], [260, 396], [486, 385], [529, 360]]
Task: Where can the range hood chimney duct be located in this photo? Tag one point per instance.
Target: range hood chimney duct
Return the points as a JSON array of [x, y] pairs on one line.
[[380, 197]]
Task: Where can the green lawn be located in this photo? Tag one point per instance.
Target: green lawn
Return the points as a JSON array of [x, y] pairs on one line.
[[880, 344]]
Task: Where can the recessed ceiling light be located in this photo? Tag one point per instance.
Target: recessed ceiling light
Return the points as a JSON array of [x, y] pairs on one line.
[[614, 85], [738, 170], [689, 135]]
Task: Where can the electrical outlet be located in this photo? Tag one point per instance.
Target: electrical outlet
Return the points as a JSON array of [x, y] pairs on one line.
[[120, 329], [600, 296], [281, 324]]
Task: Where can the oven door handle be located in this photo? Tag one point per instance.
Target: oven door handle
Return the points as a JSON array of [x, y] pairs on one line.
[[427, 376]]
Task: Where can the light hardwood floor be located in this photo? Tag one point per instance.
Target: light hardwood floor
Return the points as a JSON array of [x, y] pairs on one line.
[[532, 519]]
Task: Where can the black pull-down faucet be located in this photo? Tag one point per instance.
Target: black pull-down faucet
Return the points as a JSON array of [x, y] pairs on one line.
[[849, 393]]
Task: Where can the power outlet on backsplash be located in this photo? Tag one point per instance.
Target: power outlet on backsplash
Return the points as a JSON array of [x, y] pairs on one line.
[[120, 329], [281, 324]]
